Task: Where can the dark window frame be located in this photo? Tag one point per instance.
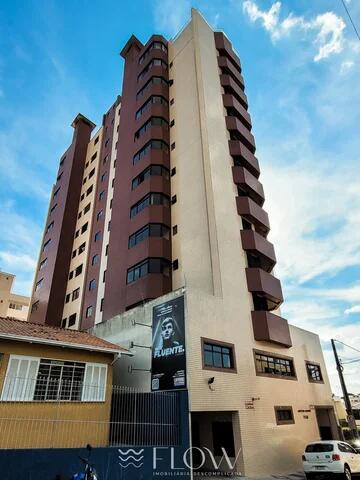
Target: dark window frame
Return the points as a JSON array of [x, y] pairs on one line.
[[308, 371], [274, 356], [280, 421], [218, 343]]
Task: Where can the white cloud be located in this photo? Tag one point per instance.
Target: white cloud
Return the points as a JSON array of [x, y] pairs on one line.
[[170, 16], [346, 66], [328, 27], [354, 309]]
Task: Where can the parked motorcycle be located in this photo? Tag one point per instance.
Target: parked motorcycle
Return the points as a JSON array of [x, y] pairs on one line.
[[89, 472]]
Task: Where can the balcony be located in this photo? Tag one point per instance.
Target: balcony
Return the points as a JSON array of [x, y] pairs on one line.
[[230, 103], [248, 184], [262, 284], [254, 214], [227, 67], [240, 132], [268, 327], [243, 157], [154, 285], [233, 88], [151, 214], [257, 246], [150, 247], [224, 47]]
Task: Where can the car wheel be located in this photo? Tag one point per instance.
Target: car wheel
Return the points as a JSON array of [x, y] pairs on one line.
[[347, 473]]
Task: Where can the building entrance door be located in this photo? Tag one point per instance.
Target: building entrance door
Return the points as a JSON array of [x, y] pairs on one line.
[[326, 422]]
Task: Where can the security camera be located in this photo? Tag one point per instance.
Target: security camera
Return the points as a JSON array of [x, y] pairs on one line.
[[211, 380]]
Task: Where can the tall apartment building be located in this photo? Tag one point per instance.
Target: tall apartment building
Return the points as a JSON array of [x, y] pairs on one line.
[[165, 200]]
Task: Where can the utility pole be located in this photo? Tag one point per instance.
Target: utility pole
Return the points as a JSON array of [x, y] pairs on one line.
[[348, 407]]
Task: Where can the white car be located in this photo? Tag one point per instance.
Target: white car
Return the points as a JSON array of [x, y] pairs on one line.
[[324, 458]]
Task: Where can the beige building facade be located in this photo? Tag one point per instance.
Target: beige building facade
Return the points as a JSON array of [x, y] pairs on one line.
[[12, 304]]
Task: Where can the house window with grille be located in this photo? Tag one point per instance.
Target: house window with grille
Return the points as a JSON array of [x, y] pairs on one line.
[[38, 379], [314, 372]]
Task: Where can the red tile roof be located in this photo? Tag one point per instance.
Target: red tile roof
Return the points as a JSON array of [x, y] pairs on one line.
[[11, 327]]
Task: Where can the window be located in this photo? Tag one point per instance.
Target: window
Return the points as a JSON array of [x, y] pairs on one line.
[[104, 276], [94, 156], [107, 142], [172, 123], [148, 172], [87, 208], [150, 230], [175, 230], [158, 121], [82, 248], [105, 159], [155, 80], [92, 284], [46, 245], [173, 199], [151, 145], [171, 65], [97, 236], [73, 254], [149, 199], [172, 101], [67, 298], [99, 215], [173, 146], [34, 306], [62, 161], [101, 305], [95, 259], [101, 195], [314, 372], [175, 264], [75, 294], [77, 233], [43, 264], [72, 320], [15, 306], [171, 82], [84, 227], [106, 250], [39, 285], [173, 171], [284, 415], [82, 197], [79, 215], [96, 140], [154, 45], [89, 190], [92, 173], [150, 265], [89, 311], [59, 176], [19, 383], [103, 177], [63, 323], [155, 62], [109, 225], [53, 209], [56, 193], [153, 99], [319, 448], [218, 355], [49, 227], [271, 366], [78, 270], [71, 274]]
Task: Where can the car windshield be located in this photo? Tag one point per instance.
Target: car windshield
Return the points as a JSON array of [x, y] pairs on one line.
[[319, 447]]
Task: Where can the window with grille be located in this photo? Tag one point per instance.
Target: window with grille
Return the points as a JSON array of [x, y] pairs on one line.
[[38, 379], [314, 372], [269, 365], [284, 415]]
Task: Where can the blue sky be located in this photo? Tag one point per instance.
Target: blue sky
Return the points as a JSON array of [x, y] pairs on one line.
[[301, 63]]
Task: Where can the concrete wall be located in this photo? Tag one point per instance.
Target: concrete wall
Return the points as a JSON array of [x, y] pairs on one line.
[[32, 424]]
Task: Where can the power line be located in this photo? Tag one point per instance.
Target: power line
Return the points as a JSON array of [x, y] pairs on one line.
[[350, 361], [351, 20], [349, 346]]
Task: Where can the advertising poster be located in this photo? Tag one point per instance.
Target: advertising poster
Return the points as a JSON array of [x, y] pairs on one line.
[[168, 366]]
